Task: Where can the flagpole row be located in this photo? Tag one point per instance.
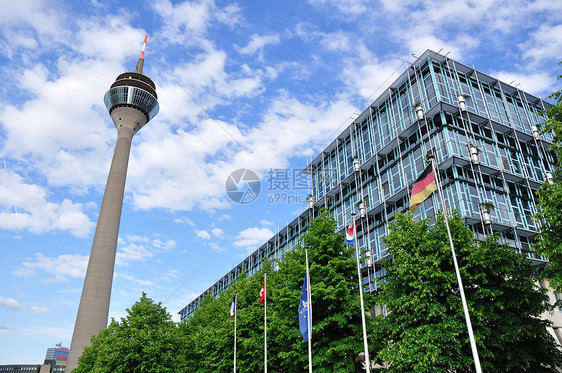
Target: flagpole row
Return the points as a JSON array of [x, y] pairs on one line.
[[457, 271]]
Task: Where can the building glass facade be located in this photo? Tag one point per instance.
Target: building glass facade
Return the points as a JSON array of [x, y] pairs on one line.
[[484, 134], [57, 355], [32, 368]]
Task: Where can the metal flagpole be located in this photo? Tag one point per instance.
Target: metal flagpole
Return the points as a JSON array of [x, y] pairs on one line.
[[459, 280], [265, 322], [309, 300], [365, 343], [235, 312]]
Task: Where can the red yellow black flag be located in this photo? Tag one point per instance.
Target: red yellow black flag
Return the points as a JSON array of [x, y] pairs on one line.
[[422, 189]]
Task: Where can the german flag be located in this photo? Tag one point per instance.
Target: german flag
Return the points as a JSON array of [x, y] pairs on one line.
[[422, 189]]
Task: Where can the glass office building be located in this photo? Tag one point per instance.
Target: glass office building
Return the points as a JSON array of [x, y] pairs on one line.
[[57, 355], [485, 137]]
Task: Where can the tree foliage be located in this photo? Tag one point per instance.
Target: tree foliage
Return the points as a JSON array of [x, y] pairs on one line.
[[147, 340], [549, 241], [210, 331], [425, 329], [336, 308], [336, 330]]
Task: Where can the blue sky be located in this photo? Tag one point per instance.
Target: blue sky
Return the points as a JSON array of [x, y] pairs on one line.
[[262, 85]]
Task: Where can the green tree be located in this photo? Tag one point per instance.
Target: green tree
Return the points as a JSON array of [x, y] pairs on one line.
[[147, 340], [425, 329], [336, 335], [210, 331], [209, 337], [549, 241], [336, 308]]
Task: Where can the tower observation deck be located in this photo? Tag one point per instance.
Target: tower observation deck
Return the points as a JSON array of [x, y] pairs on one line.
[[132, 90], [132, 102]]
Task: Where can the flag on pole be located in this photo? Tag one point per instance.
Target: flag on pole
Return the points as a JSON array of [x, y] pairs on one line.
[[262, 294], [233, 307], [349, 234], [422, 189], [303, 309], [263, 301]]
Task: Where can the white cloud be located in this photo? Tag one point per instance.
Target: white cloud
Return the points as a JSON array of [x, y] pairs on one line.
[[336, 41], [34, 19], [97, 38], [181, 185], [166, 179], [346, 7], [205, 78], [372, 78], [26, 207], [419, 42], [544, 44], [132, 253], [135, 238], [258, 42], [136, 281], [10, 303], [184, 220], [186, 23], [253, 237], [169, 275], [187, 16], [216, 247], [533, 82], [217, 232], [40, 309], [203, 234], [60, 268], [164, 245], [66, 124]]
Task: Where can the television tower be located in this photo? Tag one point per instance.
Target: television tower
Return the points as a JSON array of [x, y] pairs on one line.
[[131, 102]]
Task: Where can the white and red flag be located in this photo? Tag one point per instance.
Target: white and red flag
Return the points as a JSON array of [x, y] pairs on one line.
[[262, 294]]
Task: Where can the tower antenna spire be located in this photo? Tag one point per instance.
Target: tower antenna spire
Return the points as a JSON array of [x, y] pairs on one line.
[[140, 62]]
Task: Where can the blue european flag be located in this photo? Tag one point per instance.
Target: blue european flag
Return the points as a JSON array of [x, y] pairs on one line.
[[303, 309]]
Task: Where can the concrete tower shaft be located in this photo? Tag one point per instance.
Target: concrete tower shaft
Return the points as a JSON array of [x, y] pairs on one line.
[[96, 294], [131, 102]]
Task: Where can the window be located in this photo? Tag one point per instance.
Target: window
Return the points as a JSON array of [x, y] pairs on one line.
[[486, 180], [385, 189], [499, 184], [500, 137], [505, 163]]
